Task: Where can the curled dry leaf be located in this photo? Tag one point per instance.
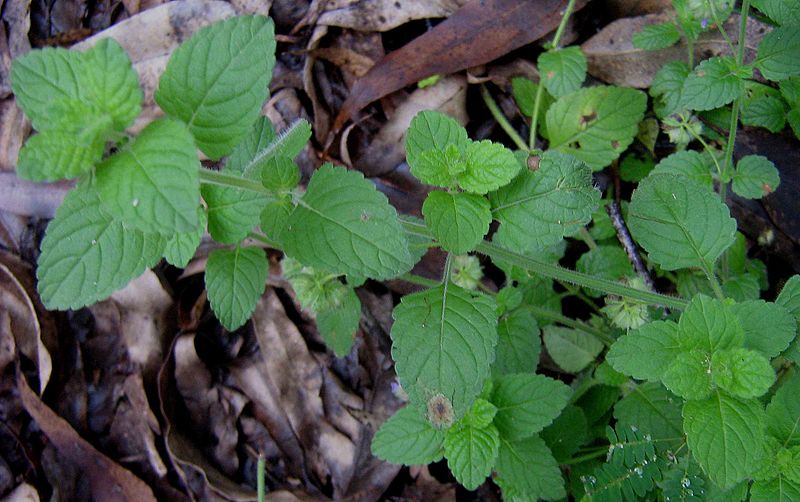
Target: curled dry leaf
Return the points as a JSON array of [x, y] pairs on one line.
[[612, 57], [383, 15]]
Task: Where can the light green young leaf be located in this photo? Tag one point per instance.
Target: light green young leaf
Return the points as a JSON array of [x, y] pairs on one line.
[[656, 36], [571, 349], [562, 70], [518, 344], [110, 82], [741, 288], [489, 166], [338, 326], [181, 247], [783, 12], [783, 412], [431, 130], [789, 297], [539, 207], [755, 177], [768, 328], [528, 467], [652, 409], [42, 78], [790, 90], [680, 224], [457, 220], [508, 298], [742, 372], [407, 438], [667, 87], [235, 280], [689, 376], [443, 343], [471, 453], [54, 155], [274, 218], [710, 325], [316, 291], [217, 81], [779, 489], [289, 143], [480, 415], [647, 352], [439, 167], [779, 53], [768, 112], [527, 403], [87, 255], [606, 261], [596, 124], [689, 164], [712, 84], [348, 227], [280, 174], [726, 436], [153, 184]]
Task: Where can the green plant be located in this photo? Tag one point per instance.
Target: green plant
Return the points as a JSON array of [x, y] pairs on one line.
[[691, 418]]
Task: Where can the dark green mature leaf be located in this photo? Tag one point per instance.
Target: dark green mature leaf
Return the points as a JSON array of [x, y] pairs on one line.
[[571, 349], [779, 489], [539, 207], [712, 84], [54, 155], [679, 224], [181, 247], [443, 343], [783, 12], [235, 280], [596, 124], [348, 227], [710, 325], [567, 433], [527, 467], [407, 438], [524, 92], [687, 163], [527, 403], [653, 410], [109, 82], [667, 87], [217, 81], [768, 112], [42, 78], [647, 352], [471, 453], [606, 261], [768, 327], [562, 70], [457, 220], [755, 177], [783, 412], [726, 436], [779, 53], [87, 255], [338, 325], [518, 344], [153, 184], [656, 36]]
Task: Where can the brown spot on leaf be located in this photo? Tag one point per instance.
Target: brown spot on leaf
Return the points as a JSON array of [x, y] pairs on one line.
[[767, 188], [585, 119], [615, 144], [533, 162], [440, 411]]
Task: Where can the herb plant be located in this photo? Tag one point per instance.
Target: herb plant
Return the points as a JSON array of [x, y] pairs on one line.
[[701, 389]]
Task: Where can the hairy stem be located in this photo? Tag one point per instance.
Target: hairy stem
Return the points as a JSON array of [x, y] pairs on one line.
[[209, 177], [569, 322], [501, 119]]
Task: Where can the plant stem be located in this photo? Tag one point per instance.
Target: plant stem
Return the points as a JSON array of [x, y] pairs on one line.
[[712, 279], [570, 323], [587, 238], [260, 478], [264, 240], [721, 28], [210, 177], [501, 119], [563, 25], [419, 280]]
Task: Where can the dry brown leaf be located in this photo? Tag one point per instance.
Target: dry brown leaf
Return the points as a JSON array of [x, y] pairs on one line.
[[260, 7], [383, 15], [14, 128], [612, 58], [23, 493]]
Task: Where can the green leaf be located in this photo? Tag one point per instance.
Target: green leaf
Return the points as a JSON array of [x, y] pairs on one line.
[[110, 82], [783, 12], [571, 349], [539, 207], [480, 415], [790, 90], [471, 453], [667, 87], [726, 436], [755, 177], [606, 261], [235, 280], [647, 352], [443, 342], [181, 247], [789, 297], [709, 325], [524, 92], [86, 255], [596, 124], [280, 174], [217, 81], [783, 412], [689, 376], [712, 84], [776, 490], [55, 155], [528, 467], [634, 169], [768, 112], [562, 70], [680, 224], [457, 220], [518, 344], [566, 434], [508, 298], [653, 410], [656, 36], [274, 218], [431, 130], [768, 328], [689, 164], [338, 325], [527, 403], [489, 166], [289, 143], [439, 167], [153, 183], [407, 438], [779, 54], [742, 372], [348, 227]]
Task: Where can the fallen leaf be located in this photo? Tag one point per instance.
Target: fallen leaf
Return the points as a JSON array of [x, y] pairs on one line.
[[479, 32], [383, 15], [23, 493], [14, 128], [27, 198]]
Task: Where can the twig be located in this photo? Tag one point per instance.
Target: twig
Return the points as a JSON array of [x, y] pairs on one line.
[[626, 240]]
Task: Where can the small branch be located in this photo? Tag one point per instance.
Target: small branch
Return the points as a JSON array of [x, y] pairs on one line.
[[626, 240], [501, 119]]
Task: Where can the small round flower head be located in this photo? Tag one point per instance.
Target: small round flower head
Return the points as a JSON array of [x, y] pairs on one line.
[[440, 411], [467, 272]]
